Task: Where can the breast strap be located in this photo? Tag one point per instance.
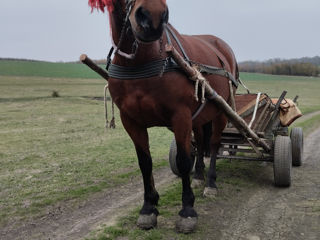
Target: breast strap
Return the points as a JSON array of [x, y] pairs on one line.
[[158, 67], [151, 69]]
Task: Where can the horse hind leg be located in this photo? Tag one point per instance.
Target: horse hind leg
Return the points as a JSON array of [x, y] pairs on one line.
[[198, 178], [218, 126], [202, 136], [188, 216], [139, 136]]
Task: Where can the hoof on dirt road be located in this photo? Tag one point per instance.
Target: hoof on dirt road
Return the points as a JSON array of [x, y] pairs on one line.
[[197, 183], [147, 222], [186, 225], [210, 192]]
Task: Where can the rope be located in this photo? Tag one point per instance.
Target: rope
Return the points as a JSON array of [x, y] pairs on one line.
[[241, 82], [255, 110], [200, 80], [105, 104], [112, 123]]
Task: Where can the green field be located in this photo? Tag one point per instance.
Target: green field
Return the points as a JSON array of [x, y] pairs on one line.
[[44, 69], [305, 87], [57, 149]]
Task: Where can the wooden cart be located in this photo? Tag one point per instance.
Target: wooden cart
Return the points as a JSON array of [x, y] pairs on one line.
[[261, 114]]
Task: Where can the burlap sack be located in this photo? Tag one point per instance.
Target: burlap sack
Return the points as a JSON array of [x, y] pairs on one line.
[[289, 112]]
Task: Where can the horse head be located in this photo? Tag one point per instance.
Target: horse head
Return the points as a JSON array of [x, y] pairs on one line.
[[148, 18]]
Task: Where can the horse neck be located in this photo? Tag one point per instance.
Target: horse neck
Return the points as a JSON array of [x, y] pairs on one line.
[[145, 53]]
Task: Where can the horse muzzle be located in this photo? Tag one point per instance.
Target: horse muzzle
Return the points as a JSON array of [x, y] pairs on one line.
[[148, 27]]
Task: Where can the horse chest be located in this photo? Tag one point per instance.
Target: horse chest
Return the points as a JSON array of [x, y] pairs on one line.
[[140, 106]]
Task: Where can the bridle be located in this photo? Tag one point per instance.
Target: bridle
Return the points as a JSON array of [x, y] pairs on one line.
[[116, 47]]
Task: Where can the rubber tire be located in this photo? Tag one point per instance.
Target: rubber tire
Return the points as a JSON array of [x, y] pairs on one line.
[[282, 163], [173, 158], [296, 136]]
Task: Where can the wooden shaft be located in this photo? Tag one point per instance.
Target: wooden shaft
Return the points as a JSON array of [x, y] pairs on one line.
[[236, 120], [190, 71], [87, 61]]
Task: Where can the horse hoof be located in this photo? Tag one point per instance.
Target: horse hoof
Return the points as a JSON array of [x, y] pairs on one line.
[[186, 225], [210, 192], [147, 222], [197, 183]]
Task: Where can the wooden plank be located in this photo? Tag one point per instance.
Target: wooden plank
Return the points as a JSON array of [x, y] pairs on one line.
[[262, 116], [247, 158], [250, 105]]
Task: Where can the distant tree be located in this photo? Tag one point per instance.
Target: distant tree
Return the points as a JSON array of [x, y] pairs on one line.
[[299, 67]]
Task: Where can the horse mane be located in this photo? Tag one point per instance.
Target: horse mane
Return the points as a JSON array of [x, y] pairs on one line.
[[101, 4]]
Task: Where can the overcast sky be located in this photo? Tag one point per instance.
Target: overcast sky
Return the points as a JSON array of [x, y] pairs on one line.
[[61, 30]]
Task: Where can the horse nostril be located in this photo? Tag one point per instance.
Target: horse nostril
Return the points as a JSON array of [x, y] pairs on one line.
[[143, 18]]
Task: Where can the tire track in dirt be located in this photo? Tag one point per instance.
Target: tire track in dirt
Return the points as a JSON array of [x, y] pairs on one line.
[[102, 208], [307, 116]]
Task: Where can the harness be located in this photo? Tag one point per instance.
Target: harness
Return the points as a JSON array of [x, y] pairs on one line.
[[159, 67]]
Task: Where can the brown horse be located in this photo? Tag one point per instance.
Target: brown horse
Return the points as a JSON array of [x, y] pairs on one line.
[[138, 30]]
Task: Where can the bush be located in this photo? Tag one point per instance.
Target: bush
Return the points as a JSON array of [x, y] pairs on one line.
[[55, 94]]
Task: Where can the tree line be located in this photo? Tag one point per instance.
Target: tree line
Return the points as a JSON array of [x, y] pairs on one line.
[[297, 67]]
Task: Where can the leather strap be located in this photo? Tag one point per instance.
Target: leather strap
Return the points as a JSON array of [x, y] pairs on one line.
[[168, 28], [217, 71], [148, 70]]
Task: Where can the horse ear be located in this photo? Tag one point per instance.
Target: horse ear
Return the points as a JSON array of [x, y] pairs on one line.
[[101, 4]]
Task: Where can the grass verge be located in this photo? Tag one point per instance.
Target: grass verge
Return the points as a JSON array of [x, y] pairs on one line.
[[309, 125]]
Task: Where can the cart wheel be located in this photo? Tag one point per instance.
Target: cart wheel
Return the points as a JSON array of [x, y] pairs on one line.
[[296, 136], [282, 161], [173, 157]]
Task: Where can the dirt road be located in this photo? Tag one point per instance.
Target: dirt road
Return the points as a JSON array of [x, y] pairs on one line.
[[267, 212], [67, 222], [259, 212]]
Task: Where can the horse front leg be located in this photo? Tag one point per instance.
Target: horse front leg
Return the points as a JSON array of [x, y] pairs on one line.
[[182, 125], [218, 126], [139, 136]]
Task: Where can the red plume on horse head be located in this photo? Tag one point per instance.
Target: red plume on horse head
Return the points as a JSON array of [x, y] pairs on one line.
[[101, 4]]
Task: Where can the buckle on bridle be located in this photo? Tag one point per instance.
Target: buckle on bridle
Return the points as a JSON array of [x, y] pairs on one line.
[[129, 5]]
